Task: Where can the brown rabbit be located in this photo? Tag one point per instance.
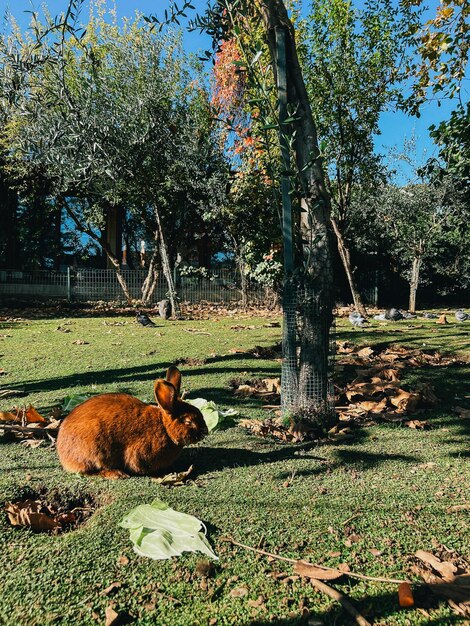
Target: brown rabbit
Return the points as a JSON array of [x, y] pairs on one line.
[[115, 434]]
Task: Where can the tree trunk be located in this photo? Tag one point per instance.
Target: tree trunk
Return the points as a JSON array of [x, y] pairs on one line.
[[114, 261], [416, 266], [346, 259], [313, 290], [243, 279], [150, 282], [172, 296]]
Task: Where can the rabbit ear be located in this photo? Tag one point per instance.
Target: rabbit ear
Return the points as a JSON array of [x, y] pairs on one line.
[[173, 376], [165, 395]]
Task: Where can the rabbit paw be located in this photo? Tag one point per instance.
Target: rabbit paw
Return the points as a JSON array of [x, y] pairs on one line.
[[113, 474]]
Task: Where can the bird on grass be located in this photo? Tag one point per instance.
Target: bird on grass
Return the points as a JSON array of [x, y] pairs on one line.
[[357, 319], [461, 316], [143, 319], [407, 315], [430, 316], [393, 315]]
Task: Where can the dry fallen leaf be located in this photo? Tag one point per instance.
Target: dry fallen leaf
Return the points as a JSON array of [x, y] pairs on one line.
[[28, 513], [6, 416], [445, 568], [80, 342], [272, 384], [373, 407], [405, 400], [33, 417], [112, 588], [418, 424], [365, 352], [175, 479], [238, 592], [111, 616], [303, 568], [459, 507]]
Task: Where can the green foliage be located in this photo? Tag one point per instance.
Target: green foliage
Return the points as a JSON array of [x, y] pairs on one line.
[[439, 48], [349, 56], [119, 117], [453, 138]]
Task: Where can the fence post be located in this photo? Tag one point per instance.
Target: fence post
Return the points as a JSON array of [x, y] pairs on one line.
[[69, 285]]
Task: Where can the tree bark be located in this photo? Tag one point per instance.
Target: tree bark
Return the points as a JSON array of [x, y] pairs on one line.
[[172, 296], [314, 286], [150, 282], [415, 268], [346, 260]]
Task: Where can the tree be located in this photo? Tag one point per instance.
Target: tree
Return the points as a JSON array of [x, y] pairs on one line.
[[350, 58], [416, 218], [111, 122], [307, 310]]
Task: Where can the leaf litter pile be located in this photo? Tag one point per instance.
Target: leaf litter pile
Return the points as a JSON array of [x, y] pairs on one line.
[[50, 511], [374, 394]]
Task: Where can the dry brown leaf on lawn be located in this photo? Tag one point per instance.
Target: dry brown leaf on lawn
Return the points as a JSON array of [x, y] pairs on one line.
[[175, 479], [28, 513], [445, 568], [344, 347], [303, 568], [373, 407], [272, 384], [375, 552], [388, 373], [111, 615], [418, 424], [33, 417], [197, 331], [238, 592], [458, 507], [442, 320], [245, 391], [61, 329], [365, 353], [405, 400], [6, 416], [32, 443], [301, 430], [112, 588], [80, 342]]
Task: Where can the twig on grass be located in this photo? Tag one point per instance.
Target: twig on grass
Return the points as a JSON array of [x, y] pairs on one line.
[[342, 599], [28, 429], [278, 557]]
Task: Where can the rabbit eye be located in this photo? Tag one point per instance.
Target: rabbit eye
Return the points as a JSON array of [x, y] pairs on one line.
[[187, 419]]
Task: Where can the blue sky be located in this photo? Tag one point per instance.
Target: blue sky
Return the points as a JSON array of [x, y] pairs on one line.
[[395, 126]]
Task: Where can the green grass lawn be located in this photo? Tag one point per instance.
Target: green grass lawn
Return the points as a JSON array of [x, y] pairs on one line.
[[376, 486]]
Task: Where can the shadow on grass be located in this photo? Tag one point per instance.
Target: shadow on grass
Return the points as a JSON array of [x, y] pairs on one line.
[[152, 371], [208, 460], [376, 609]]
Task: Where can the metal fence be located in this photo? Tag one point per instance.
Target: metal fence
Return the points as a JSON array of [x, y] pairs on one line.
[[223, 286]]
